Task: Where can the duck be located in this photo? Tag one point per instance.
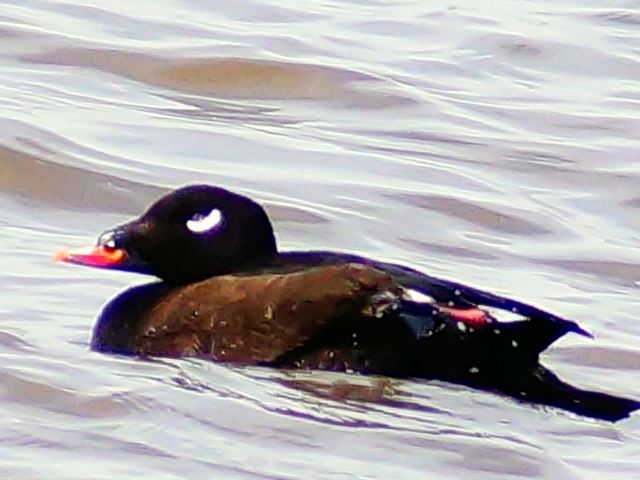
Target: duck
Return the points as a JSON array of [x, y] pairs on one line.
[[226, 293]]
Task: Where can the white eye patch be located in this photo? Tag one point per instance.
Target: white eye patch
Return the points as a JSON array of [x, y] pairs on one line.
[[200, 223]]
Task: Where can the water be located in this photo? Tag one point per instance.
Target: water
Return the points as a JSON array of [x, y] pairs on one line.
[[496, 144]]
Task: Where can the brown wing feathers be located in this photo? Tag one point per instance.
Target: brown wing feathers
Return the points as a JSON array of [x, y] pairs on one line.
[[257, 319]]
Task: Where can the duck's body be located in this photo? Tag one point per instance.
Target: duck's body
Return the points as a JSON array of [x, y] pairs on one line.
[[229, 295]]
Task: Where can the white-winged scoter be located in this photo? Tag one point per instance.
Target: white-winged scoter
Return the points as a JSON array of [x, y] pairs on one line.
[[226, 293]]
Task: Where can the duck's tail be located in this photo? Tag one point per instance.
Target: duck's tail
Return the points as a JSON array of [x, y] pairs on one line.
[[547, 389]]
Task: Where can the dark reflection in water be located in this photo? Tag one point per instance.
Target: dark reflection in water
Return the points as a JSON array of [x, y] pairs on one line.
[[71, 187], [492, 145], [232, 77]]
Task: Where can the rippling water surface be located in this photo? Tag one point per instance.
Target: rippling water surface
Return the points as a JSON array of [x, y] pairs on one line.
[[496, 143]]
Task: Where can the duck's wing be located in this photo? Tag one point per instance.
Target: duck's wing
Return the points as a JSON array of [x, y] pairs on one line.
[[430, 303], [444, 292], [257, 319], [539, 326]]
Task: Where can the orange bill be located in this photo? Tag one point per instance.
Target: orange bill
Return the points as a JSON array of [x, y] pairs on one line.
[[98, 256]]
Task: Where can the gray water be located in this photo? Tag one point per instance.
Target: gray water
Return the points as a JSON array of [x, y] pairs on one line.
[[495, 143]]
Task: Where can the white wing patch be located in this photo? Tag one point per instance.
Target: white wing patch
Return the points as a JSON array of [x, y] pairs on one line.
[[200, 223], [503, 316], [417, 296]]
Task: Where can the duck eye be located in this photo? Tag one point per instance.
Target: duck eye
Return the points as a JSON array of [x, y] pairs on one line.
[[201, 223]]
